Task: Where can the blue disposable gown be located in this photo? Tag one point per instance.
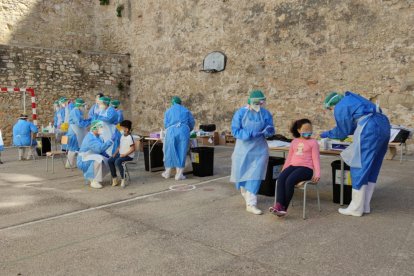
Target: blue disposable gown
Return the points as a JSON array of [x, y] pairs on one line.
[[178, 122], [94, 145], [94, 112], [22, 133], [110, 118], [77, 129], [62, 112], [251, 155], [120, 115], [374, 137], [56, 120]]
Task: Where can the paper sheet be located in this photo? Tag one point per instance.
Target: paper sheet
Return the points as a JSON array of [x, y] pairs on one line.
[[277, 143]]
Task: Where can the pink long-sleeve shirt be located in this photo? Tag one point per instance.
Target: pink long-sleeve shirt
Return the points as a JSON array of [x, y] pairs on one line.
[[305, 153]]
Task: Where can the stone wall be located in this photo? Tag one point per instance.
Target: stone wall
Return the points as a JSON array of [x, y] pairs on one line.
[[75, 24], [295, 50], [55, 73]]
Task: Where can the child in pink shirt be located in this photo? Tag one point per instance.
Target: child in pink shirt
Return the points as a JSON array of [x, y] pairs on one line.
[[302, 163]]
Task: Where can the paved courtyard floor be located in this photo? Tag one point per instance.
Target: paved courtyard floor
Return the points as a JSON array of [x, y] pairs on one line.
[[52, 224]]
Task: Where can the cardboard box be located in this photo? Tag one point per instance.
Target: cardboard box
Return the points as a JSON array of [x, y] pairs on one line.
[[222, 140], [205, 140]]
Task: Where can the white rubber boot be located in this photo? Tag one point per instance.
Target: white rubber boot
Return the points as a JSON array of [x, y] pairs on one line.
[[167, 173], [368, 195], [95, 184], [356, 207], [179, 174], [243, 192], [251, 203]]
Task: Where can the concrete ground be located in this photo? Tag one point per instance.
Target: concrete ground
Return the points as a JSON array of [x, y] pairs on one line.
[[52, 224]]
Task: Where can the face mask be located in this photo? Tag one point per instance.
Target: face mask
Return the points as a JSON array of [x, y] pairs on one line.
[[306, 135], [122, 132], [100, 131], [63, 105], [255, 107], [102, 107]]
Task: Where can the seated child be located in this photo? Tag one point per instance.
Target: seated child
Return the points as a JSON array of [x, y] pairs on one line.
[[302, 163], [126, 152]]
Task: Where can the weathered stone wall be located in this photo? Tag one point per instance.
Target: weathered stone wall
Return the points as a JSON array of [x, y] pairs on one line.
[[296, 51], [56, 73], [75, 24]]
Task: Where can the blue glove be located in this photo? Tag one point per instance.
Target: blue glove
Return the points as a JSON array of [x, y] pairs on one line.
[[105, 154], [268, 131], [324, 134], [257, 134]]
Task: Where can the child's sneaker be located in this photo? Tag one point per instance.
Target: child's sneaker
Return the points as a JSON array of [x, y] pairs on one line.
[[278, 210], [123, 183]]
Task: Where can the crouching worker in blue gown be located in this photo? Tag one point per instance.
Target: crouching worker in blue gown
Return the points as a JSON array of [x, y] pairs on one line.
[[77, 131], [178, 122], [92, 157], [250, 126], [357, 116]]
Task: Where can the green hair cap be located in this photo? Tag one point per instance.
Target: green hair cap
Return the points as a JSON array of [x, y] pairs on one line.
[[105, 100], [115, 103], [96, 124], [62, 100], [332, 99], [79, 102], [256, 95], [175, 100]]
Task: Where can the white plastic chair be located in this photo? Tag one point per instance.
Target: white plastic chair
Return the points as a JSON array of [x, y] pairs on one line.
[[303, 185], [137, 141]]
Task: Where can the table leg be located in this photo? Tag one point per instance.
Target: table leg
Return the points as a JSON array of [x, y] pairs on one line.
[[341, 202], [149, 156]]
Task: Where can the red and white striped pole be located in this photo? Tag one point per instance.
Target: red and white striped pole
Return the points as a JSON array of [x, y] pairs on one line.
[[28, 90]]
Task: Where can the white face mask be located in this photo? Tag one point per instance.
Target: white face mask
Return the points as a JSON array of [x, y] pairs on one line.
[[102, 107], [122, 132], [100, 131], [255, 107]]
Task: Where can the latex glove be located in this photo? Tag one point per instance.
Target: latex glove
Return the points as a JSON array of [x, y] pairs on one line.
[[257, 134], [104, 154], [324, 134], [268, 131]]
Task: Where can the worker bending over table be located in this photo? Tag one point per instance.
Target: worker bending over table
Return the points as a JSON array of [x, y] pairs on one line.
[[357, 116]]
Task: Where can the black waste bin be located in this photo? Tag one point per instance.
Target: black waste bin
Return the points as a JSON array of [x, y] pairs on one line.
[[275, 165], [157, 156], [336, 182], [43, 146], [202, 159]]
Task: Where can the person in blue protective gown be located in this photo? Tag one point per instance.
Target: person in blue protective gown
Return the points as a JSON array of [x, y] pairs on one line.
[[24, 136], [77, 131], [1, 146], [250, 126], [94, 110], [64, 113], [357, 116], [92, 158], [178, 122], [109, 117], [57, 118], [115, 104]]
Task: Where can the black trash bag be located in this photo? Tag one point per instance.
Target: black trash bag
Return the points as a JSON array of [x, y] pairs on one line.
[[208, 128]]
